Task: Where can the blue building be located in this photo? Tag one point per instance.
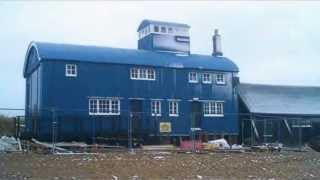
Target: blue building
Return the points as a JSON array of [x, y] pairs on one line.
[[79, 92]]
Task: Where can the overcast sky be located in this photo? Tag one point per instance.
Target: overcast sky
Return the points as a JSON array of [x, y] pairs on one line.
[[273, 43]]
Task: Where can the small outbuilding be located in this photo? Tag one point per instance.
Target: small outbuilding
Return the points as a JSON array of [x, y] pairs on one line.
[[276, 113]]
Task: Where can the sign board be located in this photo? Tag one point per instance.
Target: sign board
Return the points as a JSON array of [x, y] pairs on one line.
[[165, 127]]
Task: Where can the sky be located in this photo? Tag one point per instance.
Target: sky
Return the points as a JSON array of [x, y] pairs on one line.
[[271, 42]]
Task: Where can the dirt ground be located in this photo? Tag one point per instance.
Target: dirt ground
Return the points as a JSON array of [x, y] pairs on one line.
[[162, 165]]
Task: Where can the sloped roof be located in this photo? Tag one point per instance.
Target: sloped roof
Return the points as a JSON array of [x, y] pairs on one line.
[[147, 22], [96, 54], [274, 99]]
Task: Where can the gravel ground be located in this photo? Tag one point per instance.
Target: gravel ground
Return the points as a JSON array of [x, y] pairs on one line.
[[162, 165]]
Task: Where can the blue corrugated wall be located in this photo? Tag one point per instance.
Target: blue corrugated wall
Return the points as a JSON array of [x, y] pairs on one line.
[[69, 98]]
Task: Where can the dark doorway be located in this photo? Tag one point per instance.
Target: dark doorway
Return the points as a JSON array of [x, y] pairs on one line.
[[137, 114], [196, 114]]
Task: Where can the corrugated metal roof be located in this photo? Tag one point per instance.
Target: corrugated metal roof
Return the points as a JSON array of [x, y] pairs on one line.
[[147, 22], [130, 56], [275, 99]]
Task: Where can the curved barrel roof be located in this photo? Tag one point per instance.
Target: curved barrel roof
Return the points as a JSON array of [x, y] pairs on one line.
[[276, 99], [51, 51]]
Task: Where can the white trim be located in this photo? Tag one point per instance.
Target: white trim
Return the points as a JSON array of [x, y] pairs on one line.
[[102, 97], [174, 100], [136, 98], [213, 115], [174, 115]]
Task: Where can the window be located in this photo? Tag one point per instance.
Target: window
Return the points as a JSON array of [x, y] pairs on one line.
[[142, 74], [134, 73], [213, 108], [151, 74], [173, 108], [163, 29], [71, 70], [206, 78], [220, 79], [170, 30], [156, 28], [101, 106], [193, 77], [155, 108]]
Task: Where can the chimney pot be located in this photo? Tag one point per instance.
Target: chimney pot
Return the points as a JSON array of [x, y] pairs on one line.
[[216, 39]]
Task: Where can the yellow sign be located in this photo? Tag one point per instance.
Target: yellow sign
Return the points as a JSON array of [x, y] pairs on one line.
[[165, 127]]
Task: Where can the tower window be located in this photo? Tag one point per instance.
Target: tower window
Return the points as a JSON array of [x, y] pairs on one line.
[[163, 29], [156, 28]]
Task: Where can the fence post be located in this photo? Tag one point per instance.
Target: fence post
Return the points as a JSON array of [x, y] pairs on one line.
[[130, 132], [300, 143], [54, 124]]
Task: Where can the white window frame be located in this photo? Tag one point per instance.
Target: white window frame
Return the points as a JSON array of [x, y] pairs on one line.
[[104, 106], [155, 108], [143, 74], [174, 108], [71, 70], [211, 109], [154, 28], [208, 79], [190, 77], [220, 80], [163, 28]]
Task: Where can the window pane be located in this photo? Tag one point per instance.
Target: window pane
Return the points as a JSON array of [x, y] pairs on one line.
[[163, 29], [193, 77], [156, 28]]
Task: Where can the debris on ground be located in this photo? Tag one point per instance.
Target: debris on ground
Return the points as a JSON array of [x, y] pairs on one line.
[[153, 165], [236, 147], [271, 147], [159, 147], [191, 145], [221, 143], [51, 146], [9, 144]]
